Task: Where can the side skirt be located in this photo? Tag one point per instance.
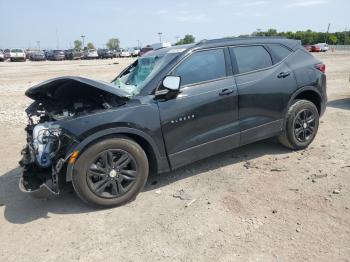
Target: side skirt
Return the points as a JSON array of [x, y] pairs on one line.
[[204, 150]]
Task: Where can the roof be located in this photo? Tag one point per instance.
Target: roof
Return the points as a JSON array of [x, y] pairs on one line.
[[291, 43]]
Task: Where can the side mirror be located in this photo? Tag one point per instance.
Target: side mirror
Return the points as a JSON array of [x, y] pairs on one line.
[[169, 88]]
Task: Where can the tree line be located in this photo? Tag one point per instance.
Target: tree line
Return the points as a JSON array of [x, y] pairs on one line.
[[112, 44], [309, 37]]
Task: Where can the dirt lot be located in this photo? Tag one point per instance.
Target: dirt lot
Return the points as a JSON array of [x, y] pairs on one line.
[[257, 203]]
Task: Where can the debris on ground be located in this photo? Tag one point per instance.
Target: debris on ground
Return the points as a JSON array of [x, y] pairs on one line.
[[158, 192], [182, 194], [191, 202], [336, 191], [278, 169]]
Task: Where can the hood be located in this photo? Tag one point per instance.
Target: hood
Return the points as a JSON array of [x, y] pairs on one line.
[[61, 87]]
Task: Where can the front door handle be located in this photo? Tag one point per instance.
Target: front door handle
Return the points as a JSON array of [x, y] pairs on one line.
[[226, 91], [283, 74]]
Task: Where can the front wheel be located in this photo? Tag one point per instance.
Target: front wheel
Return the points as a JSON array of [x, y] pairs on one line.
[[301, 125], [110, 172]]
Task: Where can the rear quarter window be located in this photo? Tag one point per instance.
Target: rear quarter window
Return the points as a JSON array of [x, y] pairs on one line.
[[279, 52], [251, 58]]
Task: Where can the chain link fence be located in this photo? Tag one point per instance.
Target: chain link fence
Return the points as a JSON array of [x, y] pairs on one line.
[[339, 47]]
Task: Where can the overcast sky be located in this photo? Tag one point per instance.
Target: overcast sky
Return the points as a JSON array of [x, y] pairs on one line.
[[58, 25]]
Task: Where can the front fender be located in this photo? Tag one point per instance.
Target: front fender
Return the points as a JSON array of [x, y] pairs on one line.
[[162, 161]]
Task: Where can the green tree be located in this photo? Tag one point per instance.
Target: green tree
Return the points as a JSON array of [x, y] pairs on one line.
[[333, 40], [113, 44], [90, 46], [188, 39], [78, 44]]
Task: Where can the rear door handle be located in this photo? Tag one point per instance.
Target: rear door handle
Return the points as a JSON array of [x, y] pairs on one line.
[[283, 74], [226, 91]]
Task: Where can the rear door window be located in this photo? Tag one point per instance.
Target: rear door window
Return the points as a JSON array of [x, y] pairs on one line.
[[251, 58], [202, 66], [279, 52]]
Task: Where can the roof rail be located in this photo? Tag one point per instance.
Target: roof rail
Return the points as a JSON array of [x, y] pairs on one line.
[[239, 38]]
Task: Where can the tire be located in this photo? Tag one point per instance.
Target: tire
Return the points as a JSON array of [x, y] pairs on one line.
[[121, 182], [301, 125]]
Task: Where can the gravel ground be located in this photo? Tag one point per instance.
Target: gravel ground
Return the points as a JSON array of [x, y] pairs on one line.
[[260, 202]]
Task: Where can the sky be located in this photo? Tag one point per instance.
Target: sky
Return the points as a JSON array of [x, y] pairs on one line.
[[56, 24]]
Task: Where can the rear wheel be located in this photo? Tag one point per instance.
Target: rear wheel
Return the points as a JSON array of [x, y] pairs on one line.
[[301, 125], [111, 172]]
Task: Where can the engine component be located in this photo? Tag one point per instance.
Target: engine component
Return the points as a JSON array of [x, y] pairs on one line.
[[45, 141]]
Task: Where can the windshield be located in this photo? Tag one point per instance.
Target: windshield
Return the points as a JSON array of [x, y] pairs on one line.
[[16, 51], [142, 71]]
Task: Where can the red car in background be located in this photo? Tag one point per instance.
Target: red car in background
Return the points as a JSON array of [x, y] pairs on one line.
[[308, 48], [315, 48]]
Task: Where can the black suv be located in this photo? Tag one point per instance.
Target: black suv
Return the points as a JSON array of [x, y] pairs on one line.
[[171, 107]]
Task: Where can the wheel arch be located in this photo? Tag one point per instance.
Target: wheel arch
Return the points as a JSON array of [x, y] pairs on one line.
[[157, 163], [309, 93]]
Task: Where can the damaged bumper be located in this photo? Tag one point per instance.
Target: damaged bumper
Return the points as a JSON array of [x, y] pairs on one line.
[[45, 190], [43, 161]]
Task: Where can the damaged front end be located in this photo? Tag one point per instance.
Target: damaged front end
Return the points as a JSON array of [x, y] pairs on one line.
[[43, 158], [49, 146]]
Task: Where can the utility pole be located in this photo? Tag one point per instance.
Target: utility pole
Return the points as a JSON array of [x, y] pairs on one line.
[[83, 40], [160, 37], [38, 43], [345, 34], [57, 40], [325, 37]]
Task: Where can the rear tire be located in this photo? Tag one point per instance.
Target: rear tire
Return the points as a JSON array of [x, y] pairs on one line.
[[110, 172], [301, 125]]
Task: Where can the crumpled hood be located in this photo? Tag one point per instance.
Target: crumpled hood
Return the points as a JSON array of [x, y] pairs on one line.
[[58, 87]]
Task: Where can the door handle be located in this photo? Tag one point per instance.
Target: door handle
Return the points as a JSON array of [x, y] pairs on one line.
[[283, 74], [226, 91]]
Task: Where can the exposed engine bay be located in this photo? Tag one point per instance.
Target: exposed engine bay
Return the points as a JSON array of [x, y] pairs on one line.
[[45, 154]]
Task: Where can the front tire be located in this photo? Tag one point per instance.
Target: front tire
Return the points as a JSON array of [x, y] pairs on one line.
[[301, 125], [110, 172]]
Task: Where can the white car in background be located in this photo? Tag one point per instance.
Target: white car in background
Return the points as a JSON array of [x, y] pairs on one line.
[[90, 54], [135, 53], [17, 54], [2, 56], [124, 53], [323, 47]]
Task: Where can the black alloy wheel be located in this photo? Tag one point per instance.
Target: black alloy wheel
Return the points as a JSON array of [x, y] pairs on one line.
[[301, 125], [112, 173], [304, 125]]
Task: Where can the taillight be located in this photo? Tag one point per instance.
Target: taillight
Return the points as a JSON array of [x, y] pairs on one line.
[[321, 67]]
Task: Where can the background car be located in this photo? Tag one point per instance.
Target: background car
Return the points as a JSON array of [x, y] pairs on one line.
[[144, 50], [73, 54], [308, 47], [37, 56], [17, 54], [55, 55], [2, 56], [323, 47], [6, 54], [90, 54], [135, 53], [104, 53], [315, 48], [124, 53]]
